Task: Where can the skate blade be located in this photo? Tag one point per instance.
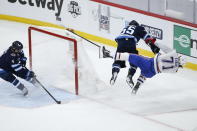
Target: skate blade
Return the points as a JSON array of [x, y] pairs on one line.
[[133, 92], [26, 95], [112, 82], [130, 84], [113, 79]]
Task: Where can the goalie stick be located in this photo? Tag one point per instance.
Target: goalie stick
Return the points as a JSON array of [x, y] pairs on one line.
[[58, 102]]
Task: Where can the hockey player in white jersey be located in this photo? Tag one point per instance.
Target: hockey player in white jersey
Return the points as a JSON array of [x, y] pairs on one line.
[[169, 62]]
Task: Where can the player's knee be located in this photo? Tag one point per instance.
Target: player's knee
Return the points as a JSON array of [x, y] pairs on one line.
[[15, 82], [7, 77], [115, 69]]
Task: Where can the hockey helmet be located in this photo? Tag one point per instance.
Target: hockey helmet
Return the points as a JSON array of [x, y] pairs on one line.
[[133, 22], [16, 46]]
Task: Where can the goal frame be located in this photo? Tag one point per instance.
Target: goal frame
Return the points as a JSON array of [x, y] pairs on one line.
[[30, 29]]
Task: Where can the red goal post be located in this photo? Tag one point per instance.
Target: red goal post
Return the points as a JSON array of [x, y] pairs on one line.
[[30, 29]]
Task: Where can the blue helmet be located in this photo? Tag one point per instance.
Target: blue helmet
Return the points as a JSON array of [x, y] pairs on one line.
[[16, 46], [133, 22]]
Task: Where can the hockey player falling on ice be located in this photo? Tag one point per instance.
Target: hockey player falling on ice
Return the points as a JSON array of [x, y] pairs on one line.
[[161, 63], [126, 42], [13, 62]]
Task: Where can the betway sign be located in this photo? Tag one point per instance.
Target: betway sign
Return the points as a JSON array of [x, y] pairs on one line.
[[55, 5]]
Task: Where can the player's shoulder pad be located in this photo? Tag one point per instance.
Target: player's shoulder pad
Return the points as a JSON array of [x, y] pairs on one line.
[[140, 28]]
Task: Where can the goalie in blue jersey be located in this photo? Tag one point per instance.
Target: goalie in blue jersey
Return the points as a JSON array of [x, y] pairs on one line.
[[161, 63]]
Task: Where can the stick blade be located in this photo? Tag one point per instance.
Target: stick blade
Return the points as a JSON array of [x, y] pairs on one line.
[[58, 102]]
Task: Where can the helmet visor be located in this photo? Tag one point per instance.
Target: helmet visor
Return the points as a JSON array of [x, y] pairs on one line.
[[16, 50]]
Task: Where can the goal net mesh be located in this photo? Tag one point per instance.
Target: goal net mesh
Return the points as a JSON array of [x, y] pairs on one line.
[[53, 61]]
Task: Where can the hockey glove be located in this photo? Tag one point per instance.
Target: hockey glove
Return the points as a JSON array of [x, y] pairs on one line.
[[154, 48], [106, 53], [31, 74], [181, 61], [23, 61], [150, 41]]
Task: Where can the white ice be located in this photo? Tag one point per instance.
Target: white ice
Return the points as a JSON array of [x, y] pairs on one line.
[[165, 102]]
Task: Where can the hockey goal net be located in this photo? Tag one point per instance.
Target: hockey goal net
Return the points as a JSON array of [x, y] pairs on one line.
[[51, 60]]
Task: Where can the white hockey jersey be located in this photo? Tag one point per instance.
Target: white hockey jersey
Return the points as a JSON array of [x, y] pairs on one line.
[[168, 62]]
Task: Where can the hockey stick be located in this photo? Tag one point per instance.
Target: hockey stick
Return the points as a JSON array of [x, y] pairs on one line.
[[70, 30], [58, 102], [83, 38]]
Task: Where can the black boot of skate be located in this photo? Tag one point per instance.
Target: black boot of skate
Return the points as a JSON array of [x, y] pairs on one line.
[[115, 72], [23, 89], [129, 79], [135, 88], [139, 83]]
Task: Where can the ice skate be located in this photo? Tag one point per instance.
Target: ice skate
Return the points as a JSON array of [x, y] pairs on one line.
[[113, 78], [25, 91], [129, 81], [135, 88]]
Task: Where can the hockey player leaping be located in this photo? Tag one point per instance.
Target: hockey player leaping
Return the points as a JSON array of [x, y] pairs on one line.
[[13, 62], [161, 63], [126, 43]]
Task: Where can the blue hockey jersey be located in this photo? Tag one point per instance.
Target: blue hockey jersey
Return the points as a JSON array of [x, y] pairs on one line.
[[11, 62], [135, 32]]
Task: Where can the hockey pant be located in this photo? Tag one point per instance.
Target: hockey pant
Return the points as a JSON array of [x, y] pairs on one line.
[[129, 46], [9, 76], [145, 64]]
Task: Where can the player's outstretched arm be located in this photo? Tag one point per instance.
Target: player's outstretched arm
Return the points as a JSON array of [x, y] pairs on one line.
[[163, 47], [151, 43]]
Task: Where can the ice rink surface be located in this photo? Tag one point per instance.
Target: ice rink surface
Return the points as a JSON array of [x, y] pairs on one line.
[[166, 102]]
